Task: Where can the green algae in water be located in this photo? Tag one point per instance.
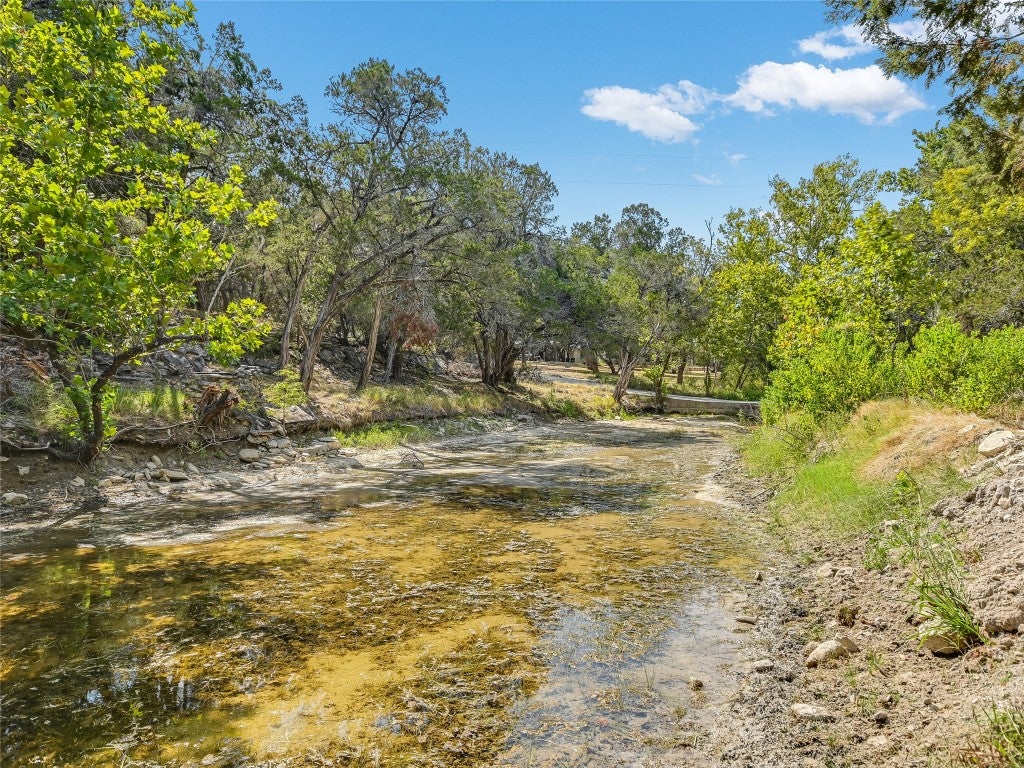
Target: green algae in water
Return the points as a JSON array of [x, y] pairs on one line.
[[406, 631]]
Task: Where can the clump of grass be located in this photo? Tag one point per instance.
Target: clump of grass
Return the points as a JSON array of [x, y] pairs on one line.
[[159, 402], [383, 435], [937, 585], [1001, 742]]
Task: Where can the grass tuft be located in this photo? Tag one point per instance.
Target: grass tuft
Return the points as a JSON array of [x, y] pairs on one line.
[[1001, 742]]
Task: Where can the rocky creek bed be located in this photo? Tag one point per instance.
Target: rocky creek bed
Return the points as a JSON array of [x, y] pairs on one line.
[[522, 594], [532, 594]]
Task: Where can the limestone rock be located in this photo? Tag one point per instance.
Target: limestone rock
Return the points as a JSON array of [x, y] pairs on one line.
[[995, 443], [13, 499], [811, 712], [763, 665], [175, 475], [22, 471], [77, 482], [848, 644], [248, 455], [826, 651], [938, 642]]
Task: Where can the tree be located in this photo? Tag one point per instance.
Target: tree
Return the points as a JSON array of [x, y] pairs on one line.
[[977, 45], [102, 226]]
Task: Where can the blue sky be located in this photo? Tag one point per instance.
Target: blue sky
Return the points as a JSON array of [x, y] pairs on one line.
[[691, 107]]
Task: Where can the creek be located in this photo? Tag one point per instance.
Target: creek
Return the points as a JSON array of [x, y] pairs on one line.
[[553, 595]]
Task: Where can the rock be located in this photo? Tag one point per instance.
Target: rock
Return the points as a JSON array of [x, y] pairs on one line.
[[192, 468], [763, 665], [22, 471], [848, 644], [258, 438], [742, 619], [811, 712], [696, 684], [825, 571], [175, 475], [881, 717], [156, 460], [826, 651], [411, 461], [878, 741], [13, 499], [938, 642], [1001, 617], [349, 462], [77, 482], [995, 443], [248, 455]]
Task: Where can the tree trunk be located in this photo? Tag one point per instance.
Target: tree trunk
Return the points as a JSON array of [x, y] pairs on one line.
[[371, 345], [389, 366], [681, 372], [659, 385], [627, 364], [294, 303], [611, 365]]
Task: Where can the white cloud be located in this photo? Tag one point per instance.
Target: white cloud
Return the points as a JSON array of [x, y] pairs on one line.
[[835, 44], [711, 181], [864, 92], [735, 158], [660, 116]]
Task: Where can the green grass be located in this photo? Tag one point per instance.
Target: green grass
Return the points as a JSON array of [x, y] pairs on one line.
[[386, 434], [821, 471], [1001, 742]]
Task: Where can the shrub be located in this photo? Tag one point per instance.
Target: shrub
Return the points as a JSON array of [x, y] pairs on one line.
[[841, 369], [943, 358]]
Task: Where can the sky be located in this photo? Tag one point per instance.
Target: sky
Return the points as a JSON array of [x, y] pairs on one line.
[[691, 107]]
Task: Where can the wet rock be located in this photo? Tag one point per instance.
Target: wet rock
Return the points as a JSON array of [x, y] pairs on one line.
[[995, 443], [13, 499], [811, 712], [826, 651], [248, 455]]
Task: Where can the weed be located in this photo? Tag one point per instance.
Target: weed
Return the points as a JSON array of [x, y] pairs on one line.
[[1001, 742], [383, 435]]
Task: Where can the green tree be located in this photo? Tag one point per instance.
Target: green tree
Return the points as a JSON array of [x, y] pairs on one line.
[[103, 229]]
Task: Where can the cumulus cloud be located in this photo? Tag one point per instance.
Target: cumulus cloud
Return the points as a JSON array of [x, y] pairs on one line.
[[660, 116], [735, 158], [864, 92], [835, 44]]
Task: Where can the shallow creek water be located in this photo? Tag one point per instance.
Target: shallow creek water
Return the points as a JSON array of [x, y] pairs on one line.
[[542, 596]]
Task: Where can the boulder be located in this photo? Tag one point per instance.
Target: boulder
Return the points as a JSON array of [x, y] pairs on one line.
[[248, 455], [995, 443], [13, 499]]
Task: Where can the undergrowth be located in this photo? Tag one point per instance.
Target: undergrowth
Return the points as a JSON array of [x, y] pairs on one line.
[[1001, 741]]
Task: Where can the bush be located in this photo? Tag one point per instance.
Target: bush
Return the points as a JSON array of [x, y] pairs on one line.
[[968, 371], [843, 368]]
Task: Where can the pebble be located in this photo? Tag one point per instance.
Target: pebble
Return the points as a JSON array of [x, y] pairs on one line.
[[811, 712], [826, 651], [743, 619], [763, 665]]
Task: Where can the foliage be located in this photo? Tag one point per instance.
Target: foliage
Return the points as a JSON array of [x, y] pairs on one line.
[[104, 229], [842, 368], [966, 370]]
